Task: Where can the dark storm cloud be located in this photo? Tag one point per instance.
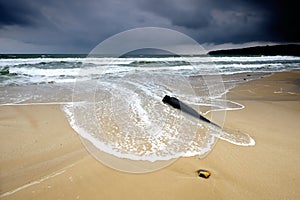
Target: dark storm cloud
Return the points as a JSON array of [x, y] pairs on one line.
[[16, 13], [180, 13], [232, 20], [283, 22], [70, 25], [79, 25]]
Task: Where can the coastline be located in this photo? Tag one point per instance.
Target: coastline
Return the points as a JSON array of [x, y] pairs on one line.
[[52, 162]]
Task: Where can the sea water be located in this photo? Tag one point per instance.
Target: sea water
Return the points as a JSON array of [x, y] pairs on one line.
[[116, 103]]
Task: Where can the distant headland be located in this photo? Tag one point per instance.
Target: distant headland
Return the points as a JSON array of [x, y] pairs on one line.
[[268, 50]]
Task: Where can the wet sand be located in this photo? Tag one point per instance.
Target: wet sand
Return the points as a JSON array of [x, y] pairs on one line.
[[43, 158]]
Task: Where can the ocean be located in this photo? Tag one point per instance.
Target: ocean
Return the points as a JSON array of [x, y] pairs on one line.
[[116, 103]]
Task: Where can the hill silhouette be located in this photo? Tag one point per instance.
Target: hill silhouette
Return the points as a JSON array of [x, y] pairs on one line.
[[286, 49]]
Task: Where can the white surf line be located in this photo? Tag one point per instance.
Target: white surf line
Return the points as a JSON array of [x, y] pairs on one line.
[[32, 104], [226, 109], [38, 181], [46, 103], [30, 184]]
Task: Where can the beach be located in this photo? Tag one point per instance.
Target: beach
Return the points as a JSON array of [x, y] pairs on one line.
[[42, 157]]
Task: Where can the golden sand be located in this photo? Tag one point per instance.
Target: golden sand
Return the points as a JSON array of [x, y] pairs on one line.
[[43, 158]]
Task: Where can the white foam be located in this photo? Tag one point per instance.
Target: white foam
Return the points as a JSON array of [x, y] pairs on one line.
[[106, 147], [28, 61], [241, 139], [44, 72], [37, 103]]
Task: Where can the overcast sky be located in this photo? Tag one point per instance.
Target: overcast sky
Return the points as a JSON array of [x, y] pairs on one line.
[[77, 26]]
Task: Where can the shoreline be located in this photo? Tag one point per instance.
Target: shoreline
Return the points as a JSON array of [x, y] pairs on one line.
[[53, 163]]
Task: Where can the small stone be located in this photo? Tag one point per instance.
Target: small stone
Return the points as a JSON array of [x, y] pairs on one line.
[[203, 173]]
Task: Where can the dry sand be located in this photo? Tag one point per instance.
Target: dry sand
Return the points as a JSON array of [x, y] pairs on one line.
[[43, 158]]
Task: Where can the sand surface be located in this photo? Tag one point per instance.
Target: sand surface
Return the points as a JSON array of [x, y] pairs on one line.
[[43, 158]]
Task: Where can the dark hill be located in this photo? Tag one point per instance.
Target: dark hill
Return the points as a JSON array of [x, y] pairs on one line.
[[287, 49]]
